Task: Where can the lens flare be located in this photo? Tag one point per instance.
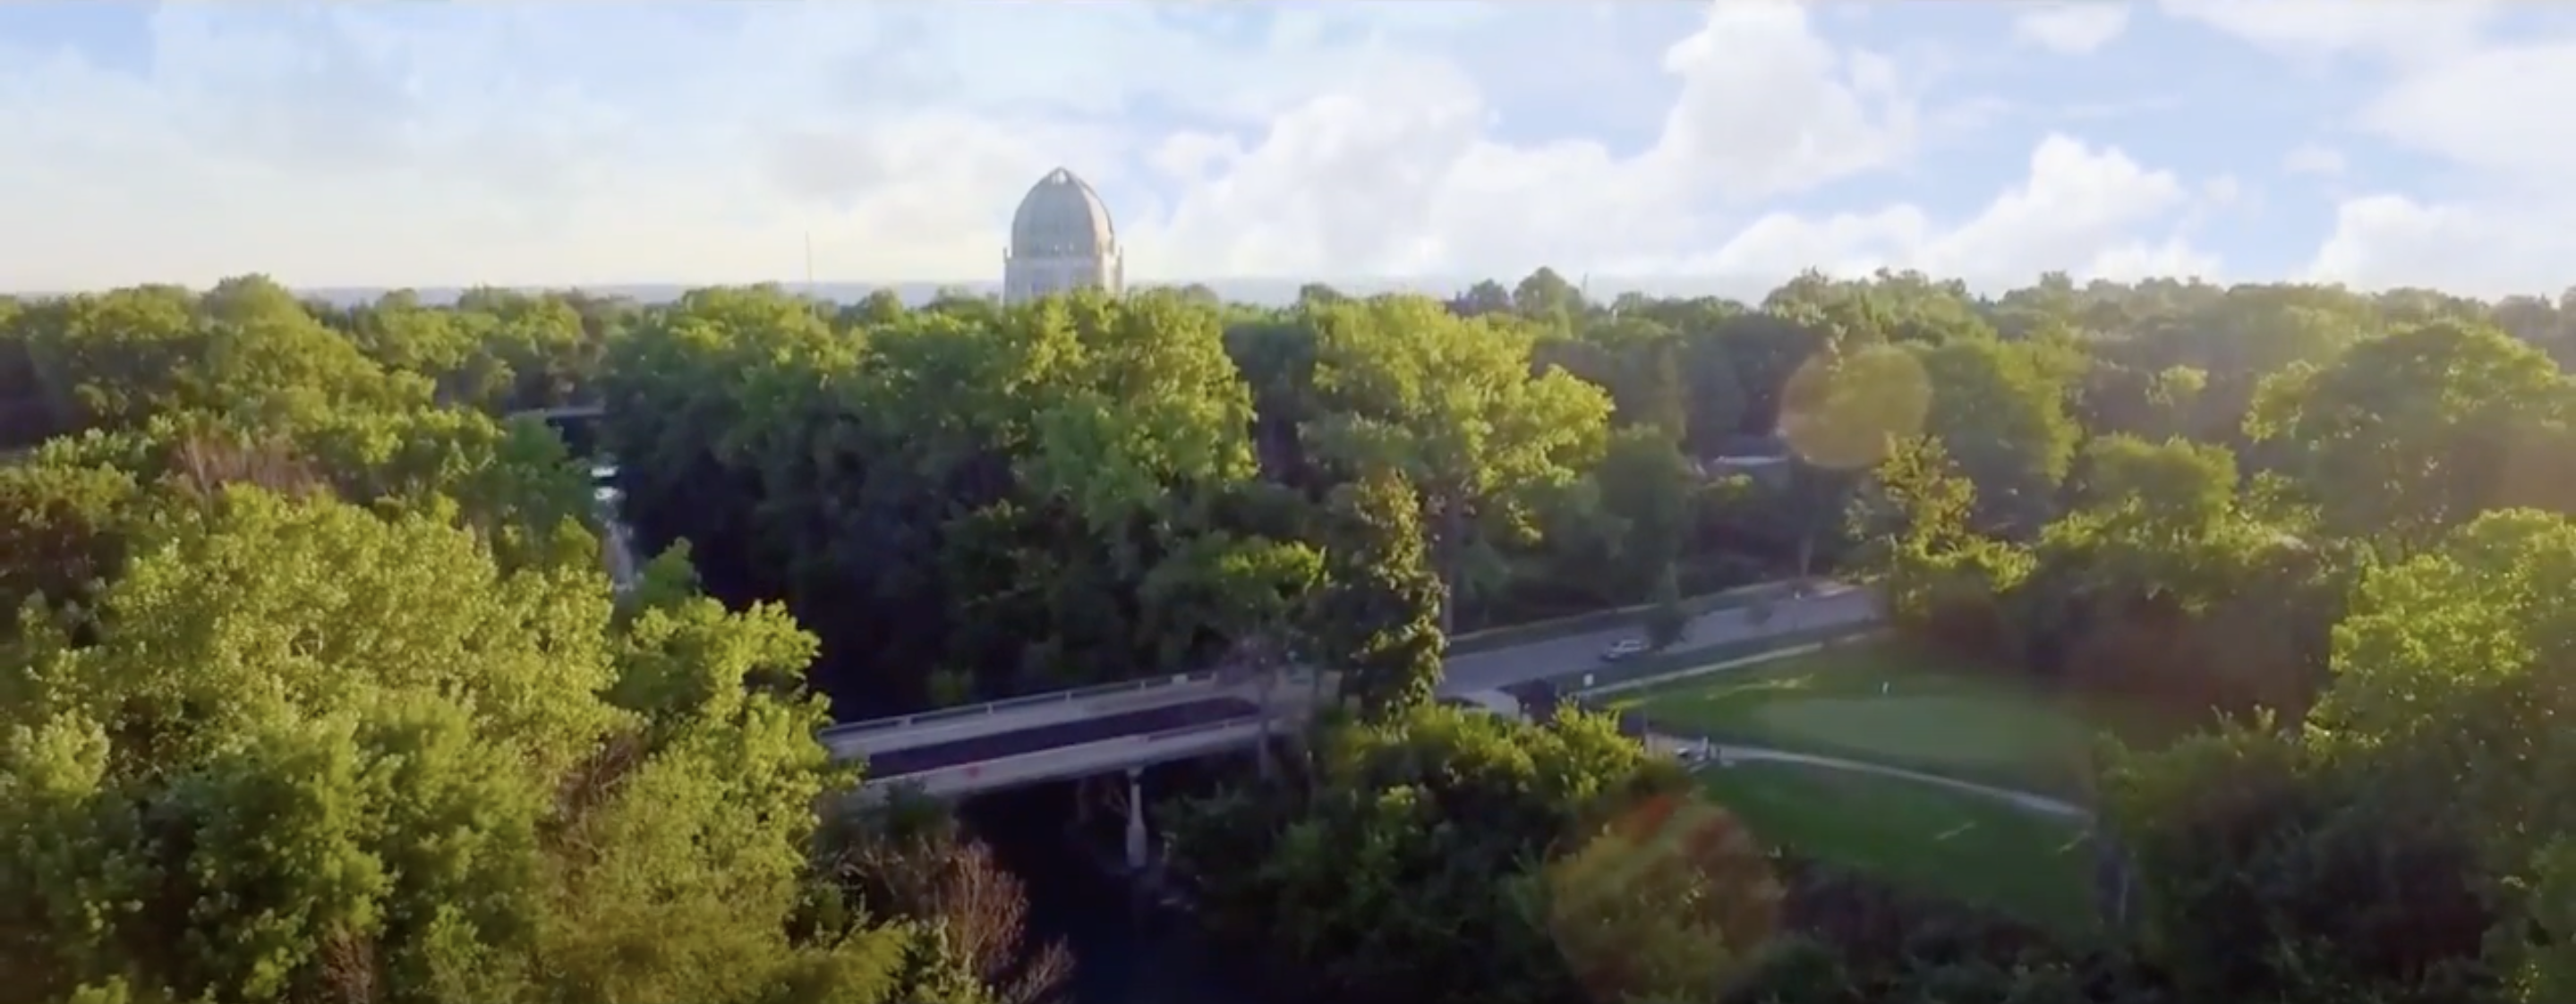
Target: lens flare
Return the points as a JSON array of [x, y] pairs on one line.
[[1842, 410], [1667, 901]]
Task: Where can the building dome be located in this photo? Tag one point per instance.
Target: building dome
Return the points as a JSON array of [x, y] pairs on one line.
[[1062, 217]]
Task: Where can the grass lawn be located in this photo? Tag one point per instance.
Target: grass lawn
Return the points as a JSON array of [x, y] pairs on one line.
[[1878, 702], [1941, 842]]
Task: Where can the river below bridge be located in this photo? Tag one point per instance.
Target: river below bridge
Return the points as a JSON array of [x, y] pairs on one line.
[[1123, 954]]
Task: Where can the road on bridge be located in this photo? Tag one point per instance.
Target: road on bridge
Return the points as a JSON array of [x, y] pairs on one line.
[[1503, 667], [940, 756]]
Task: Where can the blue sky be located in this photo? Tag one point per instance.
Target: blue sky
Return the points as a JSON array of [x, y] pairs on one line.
[[1669, 145]]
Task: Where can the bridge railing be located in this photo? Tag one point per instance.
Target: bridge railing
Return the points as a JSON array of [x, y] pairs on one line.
[[1011, 704]]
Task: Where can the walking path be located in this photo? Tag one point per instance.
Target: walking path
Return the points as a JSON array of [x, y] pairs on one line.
[[1721, 756], [1718, 756]]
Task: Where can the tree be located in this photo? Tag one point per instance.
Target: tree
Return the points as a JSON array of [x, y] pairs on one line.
[[1545, 298], [1262, 594], [972, 902], [316, 693], [2405, 436], [2003, 420], [1663, 903], [2409, 843], [1452, 406], [1360, 888], [60, 531], [1007, 500], [1646, 485], [1485, 297], [489, 793], [1667, 621], [1379, 616]]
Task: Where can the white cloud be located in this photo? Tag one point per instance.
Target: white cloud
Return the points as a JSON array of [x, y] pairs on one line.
[[2072, 27], [2461, 89], [2386, 240], [372, 145], [2480, 247], [1395, 173], [2316, 29], [2499, 109], [2310, 158], [2079, 209], [2504, 223]]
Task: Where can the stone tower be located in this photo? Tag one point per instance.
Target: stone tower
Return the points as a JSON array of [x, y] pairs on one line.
[[1061, 238]]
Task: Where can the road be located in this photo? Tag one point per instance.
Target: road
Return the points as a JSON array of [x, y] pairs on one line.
[[936, 756], [1503, 667]]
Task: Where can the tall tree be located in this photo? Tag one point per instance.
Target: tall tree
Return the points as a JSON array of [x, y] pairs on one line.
[[1451, 405], [485, 792], [2405, 436]]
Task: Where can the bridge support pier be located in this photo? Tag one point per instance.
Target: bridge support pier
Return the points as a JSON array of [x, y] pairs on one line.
[[1136, 849]]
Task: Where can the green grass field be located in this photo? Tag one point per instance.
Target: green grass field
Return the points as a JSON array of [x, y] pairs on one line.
[[1880, 703], [1936, 840]]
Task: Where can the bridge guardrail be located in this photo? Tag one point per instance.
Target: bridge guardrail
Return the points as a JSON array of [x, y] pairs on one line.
[[1010, 704]]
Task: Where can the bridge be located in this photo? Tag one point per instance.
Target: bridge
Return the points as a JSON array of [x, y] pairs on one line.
[[1077, 733], [1126, 727], [1090, 731]]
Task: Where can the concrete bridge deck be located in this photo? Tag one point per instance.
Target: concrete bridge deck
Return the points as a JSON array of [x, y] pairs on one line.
[[1070, 739], [879, 736]]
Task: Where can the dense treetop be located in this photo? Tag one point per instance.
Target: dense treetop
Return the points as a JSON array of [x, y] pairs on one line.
[[315, 690]]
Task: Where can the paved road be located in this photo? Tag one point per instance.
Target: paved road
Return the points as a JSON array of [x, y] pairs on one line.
[[1503, 667], [936, 756]]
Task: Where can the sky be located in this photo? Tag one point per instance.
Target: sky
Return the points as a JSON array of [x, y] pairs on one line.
[[1727, 145]]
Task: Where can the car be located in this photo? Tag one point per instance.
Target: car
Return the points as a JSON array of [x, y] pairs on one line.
[[1623, 648]]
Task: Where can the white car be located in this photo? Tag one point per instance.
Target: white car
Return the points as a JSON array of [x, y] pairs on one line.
[[1623, 648]]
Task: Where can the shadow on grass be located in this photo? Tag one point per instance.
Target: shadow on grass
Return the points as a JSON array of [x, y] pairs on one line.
[[1940, 842]]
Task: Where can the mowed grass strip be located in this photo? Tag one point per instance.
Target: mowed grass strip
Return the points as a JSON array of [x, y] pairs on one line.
[[1885, 703], [1934, 840]]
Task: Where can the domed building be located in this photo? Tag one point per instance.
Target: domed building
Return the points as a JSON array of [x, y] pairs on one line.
[[1061, 239]]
